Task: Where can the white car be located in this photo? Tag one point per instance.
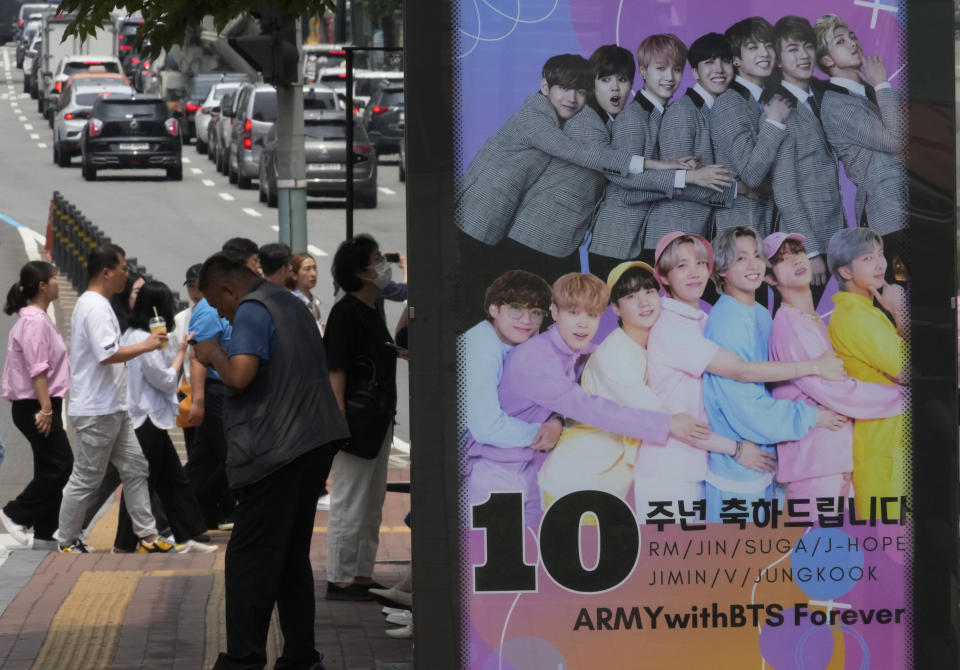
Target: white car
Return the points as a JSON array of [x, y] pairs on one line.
[[71, 118], [70, 65], [211, 107]]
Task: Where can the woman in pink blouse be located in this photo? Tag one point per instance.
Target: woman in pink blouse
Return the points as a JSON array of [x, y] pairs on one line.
[[36, 377]]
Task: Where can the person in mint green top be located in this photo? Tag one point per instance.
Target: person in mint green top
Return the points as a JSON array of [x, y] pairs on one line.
[[739, 409]]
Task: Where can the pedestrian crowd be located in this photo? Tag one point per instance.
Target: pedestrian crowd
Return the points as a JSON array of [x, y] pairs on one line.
[[272, 400]]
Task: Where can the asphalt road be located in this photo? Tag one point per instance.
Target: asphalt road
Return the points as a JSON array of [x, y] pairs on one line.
[[168, 226]]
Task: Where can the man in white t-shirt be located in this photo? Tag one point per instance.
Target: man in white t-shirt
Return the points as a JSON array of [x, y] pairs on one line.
[[98, 408]]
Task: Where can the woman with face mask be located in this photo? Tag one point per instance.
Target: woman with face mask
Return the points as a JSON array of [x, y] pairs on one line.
[[358, 342]]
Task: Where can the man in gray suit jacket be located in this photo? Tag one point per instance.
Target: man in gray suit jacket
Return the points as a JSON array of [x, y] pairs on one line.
[[746, 134], [863, 119], [806, 186], [620, 229], [685, 131]]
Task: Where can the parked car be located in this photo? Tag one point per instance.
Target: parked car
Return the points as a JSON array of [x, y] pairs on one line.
[[197, 93], [365, 84], [133, 132], [256, 111], [325, 144], [87, 79], [220, 134], [35, 69], [320, 97], [402, 159], [29, 58], [76, 104], [23, 16], [382, 118], [209, 109], [70, 65]]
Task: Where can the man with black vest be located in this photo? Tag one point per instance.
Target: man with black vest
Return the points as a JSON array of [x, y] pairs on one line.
[[282, 426]]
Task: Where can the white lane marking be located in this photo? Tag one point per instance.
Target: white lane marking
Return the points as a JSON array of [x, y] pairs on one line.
[[207, 182], [34, 136], [226, 196], [41, 145], [185, 160], [6, 61], [28, 126], [249, 211], [32, 241], [275, 228], [386, 191], [196, 170], [21, 118], [316, 251]]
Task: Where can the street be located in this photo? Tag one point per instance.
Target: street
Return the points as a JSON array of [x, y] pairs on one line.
[[168, 226]]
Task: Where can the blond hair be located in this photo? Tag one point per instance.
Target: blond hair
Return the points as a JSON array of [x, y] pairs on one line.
[[669, 257], [823, 29], [577, 290], [665, 46]]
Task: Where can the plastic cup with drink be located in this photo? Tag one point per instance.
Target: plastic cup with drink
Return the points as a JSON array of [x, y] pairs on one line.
[[158, 325]]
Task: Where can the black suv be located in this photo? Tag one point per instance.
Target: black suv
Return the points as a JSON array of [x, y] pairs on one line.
[[133, 132]]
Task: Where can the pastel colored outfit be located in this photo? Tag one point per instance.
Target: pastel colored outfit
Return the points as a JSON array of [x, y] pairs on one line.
[[540, 379], [872, 351], [745, 410], [588, 458], [494, 442], [819, 464]]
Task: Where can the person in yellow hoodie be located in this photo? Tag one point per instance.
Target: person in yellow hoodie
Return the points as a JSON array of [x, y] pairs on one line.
[[873, 349]]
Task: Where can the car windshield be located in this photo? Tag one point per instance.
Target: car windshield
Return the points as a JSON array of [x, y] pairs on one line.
[[329, 130], [392, 97], [87, 98], [265, 106], [131, 110], [73, 68], [316, 100], [222, 89]]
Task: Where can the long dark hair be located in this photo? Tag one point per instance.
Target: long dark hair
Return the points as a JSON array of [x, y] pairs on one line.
[[25, 290], [153, 295]]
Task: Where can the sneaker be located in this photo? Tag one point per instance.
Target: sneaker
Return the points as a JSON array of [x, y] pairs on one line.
[[160, 546], [16, 531], [354, 592], [118, 550], [225, 525], [202, 537], [404, 633], [323, 503], [78, 547], [402, 618], [392, 597], [200, 547]]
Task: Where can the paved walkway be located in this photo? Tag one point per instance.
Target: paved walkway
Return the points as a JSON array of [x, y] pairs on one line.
[[124, 611]]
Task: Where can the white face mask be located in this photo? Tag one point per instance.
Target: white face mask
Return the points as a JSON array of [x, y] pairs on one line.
[[384, 274]]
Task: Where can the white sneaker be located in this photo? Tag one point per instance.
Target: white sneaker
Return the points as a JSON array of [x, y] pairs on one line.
[[324, 502], [16, 531], [401, 618], [387, 611], [404, 633], [200, 547]]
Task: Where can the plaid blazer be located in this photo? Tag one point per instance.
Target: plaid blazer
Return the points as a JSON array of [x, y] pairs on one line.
[[749, 147], [512, 160], [869, 140], [685, 131], [806, 186], [557, 210], [622, 216]]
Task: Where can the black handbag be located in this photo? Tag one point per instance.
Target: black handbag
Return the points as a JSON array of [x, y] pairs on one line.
[[369, 408]]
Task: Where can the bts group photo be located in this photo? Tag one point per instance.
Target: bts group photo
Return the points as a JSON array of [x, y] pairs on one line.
[[666, 297]]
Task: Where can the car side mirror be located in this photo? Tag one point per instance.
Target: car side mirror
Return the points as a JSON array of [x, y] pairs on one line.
[[258, 141]]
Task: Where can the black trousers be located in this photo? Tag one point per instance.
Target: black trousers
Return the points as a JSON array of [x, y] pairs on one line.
[[38, 505], [206, 458], [167, 482], [268, 562]]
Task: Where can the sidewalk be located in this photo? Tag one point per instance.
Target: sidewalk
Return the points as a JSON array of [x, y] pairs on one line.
[[125, 611]]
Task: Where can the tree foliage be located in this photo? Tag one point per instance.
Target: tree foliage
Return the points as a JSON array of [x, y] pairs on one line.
[[166, 21]]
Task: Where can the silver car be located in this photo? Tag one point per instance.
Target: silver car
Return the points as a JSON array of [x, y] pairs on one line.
[[72, 117], [210, 106], [256, 111]]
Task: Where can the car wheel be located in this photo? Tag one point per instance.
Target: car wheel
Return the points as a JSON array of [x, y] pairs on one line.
[[56, 151], [39, 103], [50, 120], [63, 155], [89, 172], [26, 85], [367, 201], [201, 146], [244, 182], [261, 184], [231, 173], [175, 173], [403, 173], [271, 194]]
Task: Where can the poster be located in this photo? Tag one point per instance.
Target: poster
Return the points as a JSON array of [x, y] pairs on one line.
[[630, 495]]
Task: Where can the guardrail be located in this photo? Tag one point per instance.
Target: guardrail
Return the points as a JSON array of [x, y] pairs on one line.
[[70, 238]]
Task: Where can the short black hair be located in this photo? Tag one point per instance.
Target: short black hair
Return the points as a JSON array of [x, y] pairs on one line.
[[568, 71], [153, 295], [708, 47], [351, 257], [224, 265], [754, 29], [103, 257], [793, 27], [241, 246], [632, 280], [611, 59], [273, 257]]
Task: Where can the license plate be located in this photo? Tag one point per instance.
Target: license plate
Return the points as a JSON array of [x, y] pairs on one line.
[[327, 167], [134, 146]]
